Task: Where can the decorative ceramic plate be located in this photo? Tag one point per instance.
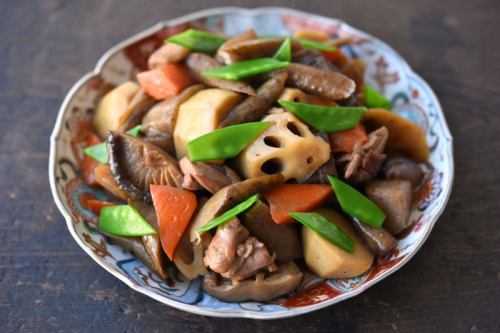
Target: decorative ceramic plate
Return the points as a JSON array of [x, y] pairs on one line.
[[387, 72]]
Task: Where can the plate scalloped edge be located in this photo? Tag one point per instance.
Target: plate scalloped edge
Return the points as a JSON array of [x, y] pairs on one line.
[[240, 313]]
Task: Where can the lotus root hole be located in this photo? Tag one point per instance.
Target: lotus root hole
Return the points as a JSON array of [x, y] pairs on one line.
[[273, 141], [272, 166], [310, 159], [294, 129]]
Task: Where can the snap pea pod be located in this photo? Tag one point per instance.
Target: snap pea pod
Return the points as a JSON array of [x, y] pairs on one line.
[[238, 209], [325, 118], [284, 53], [326, 229], [124, 220], [374, 99], [197, 40], [245, 68], [224, 143], [99, 152], [307, 43], [357, 204]]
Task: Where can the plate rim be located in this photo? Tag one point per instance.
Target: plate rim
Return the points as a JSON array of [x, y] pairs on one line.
[[235, 313]]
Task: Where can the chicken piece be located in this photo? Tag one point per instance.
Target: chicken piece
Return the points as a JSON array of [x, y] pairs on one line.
[[167, 54], [365, 161], [235, 255], [251, 257], [221, 253], [209, 176], [314, 58]]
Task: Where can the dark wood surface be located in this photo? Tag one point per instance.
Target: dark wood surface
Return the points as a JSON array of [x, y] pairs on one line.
[[47, 283]]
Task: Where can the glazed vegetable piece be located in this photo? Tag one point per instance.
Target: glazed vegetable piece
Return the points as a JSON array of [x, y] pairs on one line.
[[202, 114], [89, 164], [159, 123], [136, 248], [282, 240], [328, 260], [238, 209], [400, 167], [109, 112], [152, 243], [254, 107], [136, 109], [356, 204], [294, 95], [287, 146], [228, 197], [105, 178], [124, 220], [197, 40], [168, 53], [259, 48], [314, 58], [378, 240], [164, 82], [373, 99], [229, 58], [174, 208], [325, 118], [188, 255], [99, 152], [311, 35], [224, 143], [136, 164], [344, 141], [404, 135], [325, 84], [198, 63], [394, 199], [326, 229], [263, 288], [212, 177], [245, 68], [289, 198]]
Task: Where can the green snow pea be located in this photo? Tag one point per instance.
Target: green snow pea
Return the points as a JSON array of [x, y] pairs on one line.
[[325, 118], [374, 99], [238, 209], [284, 53], [245, 68], [197, 40], [326, 229], [226, 142], [357, 204], [124, 220], [99, 152]]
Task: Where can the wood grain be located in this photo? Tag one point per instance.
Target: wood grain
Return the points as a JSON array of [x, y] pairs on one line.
[[47, 283]]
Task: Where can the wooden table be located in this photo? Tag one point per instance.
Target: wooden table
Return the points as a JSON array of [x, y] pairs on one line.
[[47, 283]]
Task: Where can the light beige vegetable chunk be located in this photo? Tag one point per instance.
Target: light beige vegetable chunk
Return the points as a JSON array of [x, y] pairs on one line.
[[109, 113], [404, 135], [294, 95], [394, 198], [329, 261], [202, 114], [287, 146]]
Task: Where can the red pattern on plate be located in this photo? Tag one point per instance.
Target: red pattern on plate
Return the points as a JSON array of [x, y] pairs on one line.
[[318, 293]]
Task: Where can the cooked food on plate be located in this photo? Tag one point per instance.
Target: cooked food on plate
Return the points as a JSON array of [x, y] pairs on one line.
[[251, 160]]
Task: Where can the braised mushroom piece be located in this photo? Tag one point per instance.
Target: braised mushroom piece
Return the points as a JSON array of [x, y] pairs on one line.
[[263, 287], [136, 164]]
